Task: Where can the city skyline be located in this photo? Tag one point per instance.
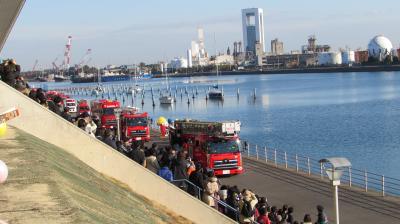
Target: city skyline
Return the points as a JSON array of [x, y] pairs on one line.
[[127, 33]]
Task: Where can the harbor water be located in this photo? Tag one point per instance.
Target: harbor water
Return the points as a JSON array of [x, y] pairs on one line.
[[354, 115]]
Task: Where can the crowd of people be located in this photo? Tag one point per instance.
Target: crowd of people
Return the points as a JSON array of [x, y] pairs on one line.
[[171, 163], [244, 205]]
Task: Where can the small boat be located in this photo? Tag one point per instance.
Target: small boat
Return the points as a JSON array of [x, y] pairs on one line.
[[216, 93], [166, 100]]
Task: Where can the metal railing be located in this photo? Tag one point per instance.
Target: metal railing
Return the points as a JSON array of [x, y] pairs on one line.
[[368, 181], [220, 203]]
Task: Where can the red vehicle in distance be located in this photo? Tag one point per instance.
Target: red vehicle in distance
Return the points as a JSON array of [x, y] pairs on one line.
[[134, 125], [216, 145], [83, 106], [104, 109]]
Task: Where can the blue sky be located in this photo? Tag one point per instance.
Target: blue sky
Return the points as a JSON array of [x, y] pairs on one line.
[[127, 31]]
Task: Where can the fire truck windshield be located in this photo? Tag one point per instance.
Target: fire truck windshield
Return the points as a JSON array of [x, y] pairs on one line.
[[137, 121], [108, 111], [223, 147], [84, 108]]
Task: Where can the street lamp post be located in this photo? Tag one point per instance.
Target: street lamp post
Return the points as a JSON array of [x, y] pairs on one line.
[[334, 172], [117, 113]]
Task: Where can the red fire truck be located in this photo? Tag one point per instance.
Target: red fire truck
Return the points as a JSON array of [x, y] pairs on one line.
[[83, 106], [134, 125], [216, 145], [105, 110]]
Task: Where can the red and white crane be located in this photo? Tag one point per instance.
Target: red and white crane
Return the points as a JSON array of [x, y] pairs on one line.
[[67, 54]]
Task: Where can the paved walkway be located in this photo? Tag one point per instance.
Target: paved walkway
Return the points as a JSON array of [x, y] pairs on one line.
[[304, 193], [283, 186]]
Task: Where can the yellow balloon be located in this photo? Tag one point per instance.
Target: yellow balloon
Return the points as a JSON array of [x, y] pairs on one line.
[[161, 120], [3, 129]]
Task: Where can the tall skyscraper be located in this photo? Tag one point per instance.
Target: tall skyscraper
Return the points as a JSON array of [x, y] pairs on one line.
[[253, 28]]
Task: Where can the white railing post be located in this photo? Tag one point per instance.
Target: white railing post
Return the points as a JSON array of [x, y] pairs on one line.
[[248, 150], [366, 180], [349, 176], [286, 163], [383, 185], [266, 154], [309, 166], [297, 163], [321, 171], [276, 162], [257, 152]]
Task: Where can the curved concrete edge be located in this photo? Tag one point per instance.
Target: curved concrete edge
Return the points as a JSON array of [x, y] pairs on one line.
[[46, 125], [9, 11]]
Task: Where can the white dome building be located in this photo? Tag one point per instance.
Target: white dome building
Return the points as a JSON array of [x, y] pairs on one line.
[[380, 47]]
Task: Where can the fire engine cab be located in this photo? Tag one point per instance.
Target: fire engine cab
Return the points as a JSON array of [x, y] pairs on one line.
[[216, 145], [134, 125], [105, 110]]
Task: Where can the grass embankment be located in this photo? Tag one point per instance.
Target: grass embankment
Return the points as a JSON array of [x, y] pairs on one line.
[[48, 185]]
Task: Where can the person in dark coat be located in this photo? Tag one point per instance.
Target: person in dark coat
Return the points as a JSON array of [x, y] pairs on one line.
[[197, 178], [108, 138], [321, 218], [9, 71], [54, 105], [179, 169], [233, 201], [65, 114], [137, 155], [290, 218]]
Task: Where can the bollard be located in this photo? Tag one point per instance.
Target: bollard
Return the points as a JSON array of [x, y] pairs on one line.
[[349, 176], [297, 163], [383, 185], [248, 150], [276, 162], [320, 171], [308, 165], [266, 154], [257, 152], [286, 163], [366, 180]]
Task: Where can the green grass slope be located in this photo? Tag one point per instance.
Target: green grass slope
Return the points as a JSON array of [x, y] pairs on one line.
[[48, 185]]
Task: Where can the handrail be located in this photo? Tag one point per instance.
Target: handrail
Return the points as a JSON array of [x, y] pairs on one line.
[[220, 202], [303, 164]]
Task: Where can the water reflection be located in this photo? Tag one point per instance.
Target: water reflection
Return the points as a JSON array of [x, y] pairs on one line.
[[354, 115]]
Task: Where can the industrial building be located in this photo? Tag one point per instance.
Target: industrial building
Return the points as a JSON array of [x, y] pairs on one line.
[[276, 47], [178, 63], [290, 60], [198, 51], [253, 29], [312, 47]]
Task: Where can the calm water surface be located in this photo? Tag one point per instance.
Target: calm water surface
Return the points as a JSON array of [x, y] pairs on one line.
[[355, 115]]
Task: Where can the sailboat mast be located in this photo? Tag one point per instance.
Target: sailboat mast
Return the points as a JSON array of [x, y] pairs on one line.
[[215, 48]]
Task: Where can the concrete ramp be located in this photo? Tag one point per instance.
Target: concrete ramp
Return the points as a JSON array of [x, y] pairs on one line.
[[9, 11], [44, 124]]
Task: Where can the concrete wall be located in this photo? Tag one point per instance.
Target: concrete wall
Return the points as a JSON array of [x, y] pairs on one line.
[[46, 125], [9, 11]]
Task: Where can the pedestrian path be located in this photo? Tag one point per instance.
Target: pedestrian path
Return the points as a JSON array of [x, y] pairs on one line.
[[283, 186]]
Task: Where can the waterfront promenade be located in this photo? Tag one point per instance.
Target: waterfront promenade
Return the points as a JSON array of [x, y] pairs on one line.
[[284, 186]]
